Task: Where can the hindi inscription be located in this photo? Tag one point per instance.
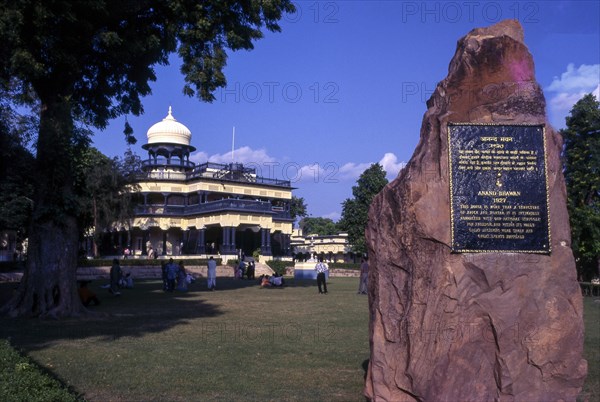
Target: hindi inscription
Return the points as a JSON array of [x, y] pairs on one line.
[[498, 188]]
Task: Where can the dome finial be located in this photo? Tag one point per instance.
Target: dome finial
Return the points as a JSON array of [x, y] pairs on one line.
[[170, 115]]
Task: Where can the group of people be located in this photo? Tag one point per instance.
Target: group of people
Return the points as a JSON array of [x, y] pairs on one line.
[[242, 270], [268, 281], [175, 277]]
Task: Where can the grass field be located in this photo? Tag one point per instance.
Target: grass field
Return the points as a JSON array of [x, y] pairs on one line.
[[240, 343]]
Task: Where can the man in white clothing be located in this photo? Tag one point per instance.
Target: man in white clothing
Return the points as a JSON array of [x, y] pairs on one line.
[[212, 273], [321, 268]]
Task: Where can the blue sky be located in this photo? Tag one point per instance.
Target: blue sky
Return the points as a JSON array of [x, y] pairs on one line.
[[344, 85]]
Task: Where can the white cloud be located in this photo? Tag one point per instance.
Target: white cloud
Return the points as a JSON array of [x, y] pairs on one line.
[[571, 86], [331, 172], [352, 171], [325, 172], [584, 78], [245, 155], [391, 165]]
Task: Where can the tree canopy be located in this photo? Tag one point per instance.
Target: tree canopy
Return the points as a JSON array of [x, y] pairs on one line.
[[105, 189], [581, 155], [318, 226], [16, 173], [101, 54], [355, 210], [79, 64], [298, 208]]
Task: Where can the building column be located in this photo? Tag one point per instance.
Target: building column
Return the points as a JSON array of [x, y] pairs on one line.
[[144, 241], [120, 237], [286, 245], [265, 241], [164, 247], [200, 248], [228, 240], [225, 245], [232, 241], [185, 240]]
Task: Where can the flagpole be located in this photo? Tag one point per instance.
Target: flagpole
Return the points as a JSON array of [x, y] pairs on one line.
[[233, 145]]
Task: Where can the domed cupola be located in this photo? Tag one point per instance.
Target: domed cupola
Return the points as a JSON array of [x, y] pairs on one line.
[[168, 146], [169, 131]]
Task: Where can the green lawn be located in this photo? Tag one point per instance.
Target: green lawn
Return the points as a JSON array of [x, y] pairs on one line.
[[239, 343], [591, 347]]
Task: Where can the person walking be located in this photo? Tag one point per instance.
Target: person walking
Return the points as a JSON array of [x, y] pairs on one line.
[[163, 270], [212, 273], [321, 269], [115, 277], [172, 271], [182, 284], [364, 273]]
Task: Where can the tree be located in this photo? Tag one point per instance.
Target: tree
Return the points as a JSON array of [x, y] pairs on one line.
[[16, 173], [355, 210], [83, 63], [105, 188], [319, 226], [16, 185], [298, 207], [581, 156]]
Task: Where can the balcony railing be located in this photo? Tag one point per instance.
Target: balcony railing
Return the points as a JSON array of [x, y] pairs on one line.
[[164, 162], [248, 206], [233, 172]]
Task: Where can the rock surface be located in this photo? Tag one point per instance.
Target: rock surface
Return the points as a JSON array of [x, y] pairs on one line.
[[473, 326]]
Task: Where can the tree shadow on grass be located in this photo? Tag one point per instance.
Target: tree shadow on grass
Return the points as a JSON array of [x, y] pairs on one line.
[[145, 309], [142, 310]]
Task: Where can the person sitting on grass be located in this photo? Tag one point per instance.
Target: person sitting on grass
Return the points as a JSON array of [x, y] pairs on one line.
[[86, 295], [277, 280], [265, 281], [126, 281]]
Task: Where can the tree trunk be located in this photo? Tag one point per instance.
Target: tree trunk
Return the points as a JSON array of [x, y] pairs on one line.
[[49, 284], [94, 236]]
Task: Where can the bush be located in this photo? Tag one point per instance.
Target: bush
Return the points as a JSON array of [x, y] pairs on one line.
[[344, 265], [22, 380], [279, 266], [12, 266], [140, 262], [256, 255]]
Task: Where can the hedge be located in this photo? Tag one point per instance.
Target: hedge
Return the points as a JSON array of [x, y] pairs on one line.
[[12, 266], [143, 262], [344, 265]]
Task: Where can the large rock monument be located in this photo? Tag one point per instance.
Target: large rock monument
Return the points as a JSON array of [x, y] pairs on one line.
[[473, 291]]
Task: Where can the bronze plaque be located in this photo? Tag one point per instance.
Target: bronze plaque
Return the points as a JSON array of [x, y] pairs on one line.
[[498, 188]]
